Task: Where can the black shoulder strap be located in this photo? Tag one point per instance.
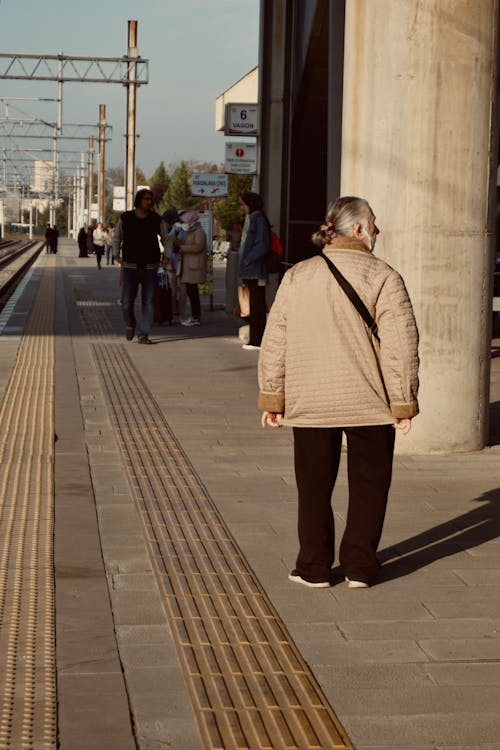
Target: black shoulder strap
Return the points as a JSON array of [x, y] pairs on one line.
[[353, 296]]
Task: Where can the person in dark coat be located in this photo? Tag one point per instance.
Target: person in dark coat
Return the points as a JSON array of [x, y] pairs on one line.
[[82, 243], [48, 238], [90, 239], [55, 237], [255, 245], [136, 248]]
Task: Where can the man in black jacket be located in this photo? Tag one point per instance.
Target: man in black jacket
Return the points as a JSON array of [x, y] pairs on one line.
[[136, 247]]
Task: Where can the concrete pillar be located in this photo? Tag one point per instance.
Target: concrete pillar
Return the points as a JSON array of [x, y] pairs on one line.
[[420, 143]]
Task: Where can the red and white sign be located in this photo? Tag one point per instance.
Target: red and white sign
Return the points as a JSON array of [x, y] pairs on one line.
[[241, 158]]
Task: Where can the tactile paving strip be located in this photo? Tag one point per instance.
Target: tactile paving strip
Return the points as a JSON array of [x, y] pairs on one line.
[[28, 709], [249, 685]]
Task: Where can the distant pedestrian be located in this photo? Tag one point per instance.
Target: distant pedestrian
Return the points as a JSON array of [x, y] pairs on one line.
[[255, 246], [136, 247], [48, 238], [90, 239], [110, 230], [172, 266], [331, 364], [82, 243], [193, 264], [99, 238], [54, 239]]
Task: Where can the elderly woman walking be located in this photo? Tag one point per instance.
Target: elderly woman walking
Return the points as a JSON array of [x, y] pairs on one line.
[[193, 259], [339, 355]]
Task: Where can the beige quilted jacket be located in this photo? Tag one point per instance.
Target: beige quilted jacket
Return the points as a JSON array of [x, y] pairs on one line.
[[319, 364]]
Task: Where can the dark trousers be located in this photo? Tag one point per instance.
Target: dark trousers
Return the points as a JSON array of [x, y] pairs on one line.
[[99, 252], [369, 466], [193, 293], [132, 278], [257, 310]]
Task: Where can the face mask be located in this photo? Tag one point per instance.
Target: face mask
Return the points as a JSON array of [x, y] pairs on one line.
[[185, 226], [372, 240]]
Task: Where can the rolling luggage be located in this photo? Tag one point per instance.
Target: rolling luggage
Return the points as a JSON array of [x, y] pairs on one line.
[[162, 299]]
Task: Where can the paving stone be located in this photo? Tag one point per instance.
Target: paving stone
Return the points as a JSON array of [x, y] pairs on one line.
[[486, 673], [178, 734], [94, 712], [334, 650], [417, 700], [134, 582], [143, 608], [398, 731], [432, 629], [158, 693], [473, 649], [127, 558], [478, 577], [142, 656], [373, 676]]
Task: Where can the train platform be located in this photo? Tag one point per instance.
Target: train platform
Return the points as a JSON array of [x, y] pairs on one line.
[[147, 527]]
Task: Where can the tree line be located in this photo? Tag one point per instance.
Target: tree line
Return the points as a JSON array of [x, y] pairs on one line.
[[171, 187]]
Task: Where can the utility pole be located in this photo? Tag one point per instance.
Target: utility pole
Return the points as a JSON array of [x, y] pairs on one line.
[[131, 115], [102, 151], [90, 179], [82, 191]]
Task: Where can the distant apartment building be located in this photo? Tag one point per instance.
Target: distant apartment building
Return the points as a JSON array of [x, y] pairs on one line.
[[43, 178]]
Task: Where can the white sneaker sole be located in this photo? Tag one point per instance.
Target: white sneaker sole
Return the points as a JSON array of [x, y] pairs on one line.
[[357, 584], [310, 584]]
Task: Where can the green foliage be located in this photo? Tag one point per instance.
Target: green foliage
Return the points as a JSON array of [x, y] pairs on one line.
[[228, 210], [159, 183], [178, 194], [43, 218], [61, 217]]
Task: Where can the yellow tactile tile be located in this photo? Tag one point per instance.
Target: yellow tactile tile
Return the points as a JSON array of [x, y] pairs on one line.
[[28, 708]]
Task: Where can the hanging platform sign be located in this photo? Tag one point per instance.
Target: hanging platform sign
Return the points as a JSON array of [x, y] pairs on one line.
[[209, 185], [241, 119], [241, 158]]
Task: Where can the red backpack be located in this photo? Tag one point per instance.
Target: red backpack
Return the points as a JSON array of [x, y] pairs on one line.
[[275, 254]]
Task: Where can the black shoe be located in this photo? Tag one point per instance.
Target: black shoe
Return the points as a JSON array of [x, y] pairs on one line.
[[129, 335], [145, 340]]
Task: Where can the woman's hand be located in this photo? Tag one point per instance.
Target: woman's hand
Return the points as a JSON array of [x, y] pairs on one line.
[[271, 418], [404, 425]]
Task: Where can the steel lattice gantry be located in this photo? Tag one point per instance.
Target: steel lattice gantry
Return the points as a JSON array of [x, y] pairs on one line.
[[33, 128], [130, 70], [67, 69]]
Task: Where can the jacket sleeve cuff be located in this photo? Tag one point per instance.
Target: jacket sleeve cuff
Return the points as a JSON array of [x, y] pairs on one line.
[[274, 402], [405, 411]]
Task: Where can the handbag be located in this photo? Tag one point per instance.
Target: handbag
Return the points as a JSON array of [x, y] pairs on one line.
[[244, 301], [353, 296]]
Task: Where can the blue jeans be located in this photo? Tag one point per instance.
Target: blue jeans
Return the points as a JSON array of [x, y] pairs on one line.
[[131, 279]]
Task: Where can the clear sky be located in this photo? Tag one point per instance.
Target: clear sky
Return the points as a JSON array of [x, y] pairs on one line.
[[196, 49]]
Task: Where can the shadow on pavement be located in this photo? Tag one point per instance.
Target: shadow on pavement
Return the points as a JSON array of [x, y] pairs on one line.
[[478, 526]]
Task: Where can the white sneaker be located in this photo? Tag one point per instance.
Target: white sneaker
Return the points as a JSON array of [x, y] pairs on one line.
[[357, 584], [296, 578], [190, 322], [250, 346]]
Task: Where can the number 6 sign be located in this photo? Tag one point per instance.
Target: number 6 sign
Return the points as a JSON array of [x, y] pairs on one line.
[[241, 119]]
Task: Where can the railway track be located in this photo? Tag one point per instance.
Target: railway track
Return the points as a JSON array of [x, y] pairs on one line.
[[16, 256]]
